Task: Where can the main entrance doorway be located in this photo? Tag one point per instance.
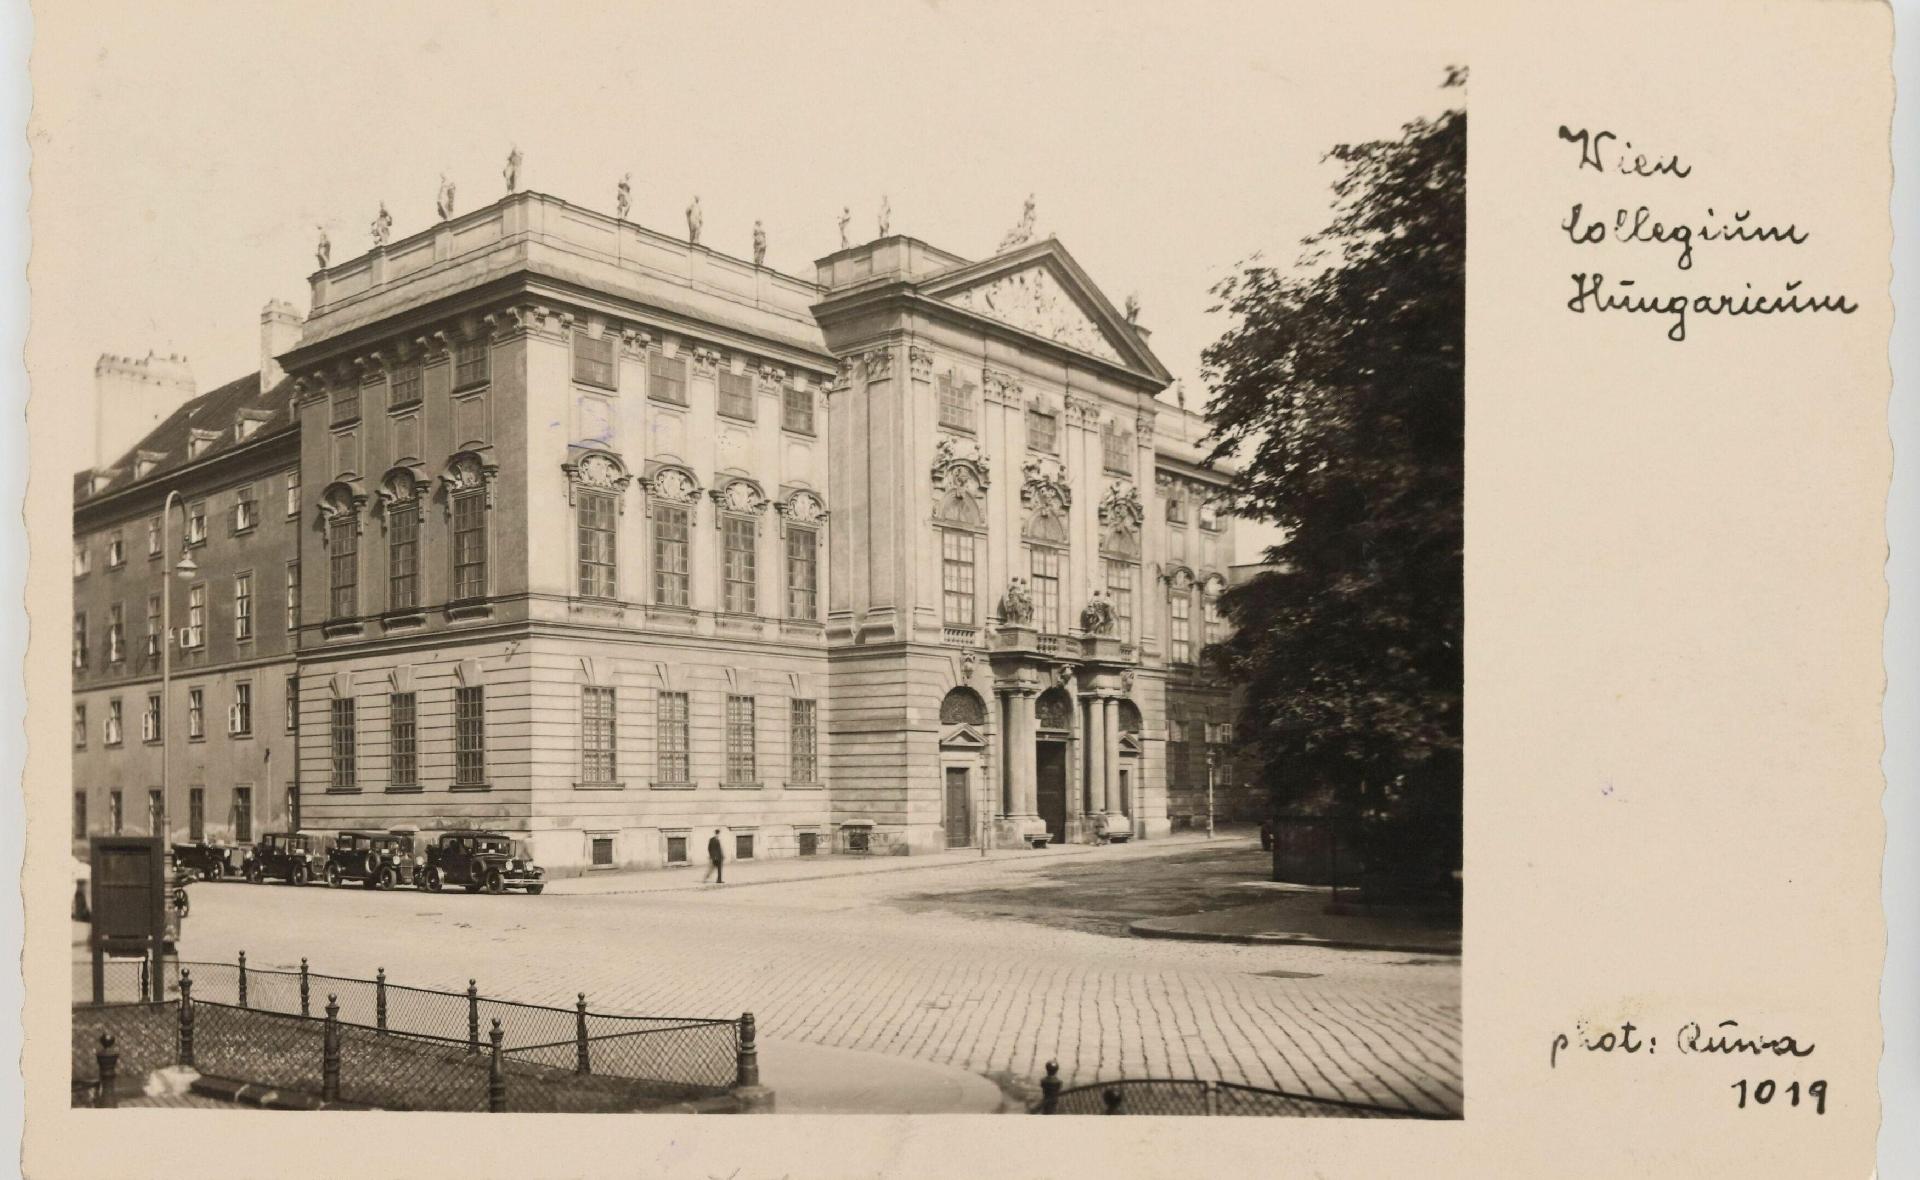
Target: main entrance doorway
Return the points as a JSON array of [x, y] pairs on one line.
[[1050, 786], [959, 819]]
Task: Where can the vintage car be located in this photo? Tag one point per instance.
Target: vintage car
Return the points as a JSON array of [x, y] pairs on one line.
[[293, 857], [378, 860], [476, 860], [207, 861]]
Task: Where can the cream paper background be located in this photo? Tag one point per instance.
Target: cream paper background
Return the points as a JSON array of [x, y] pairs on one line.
[[1675, 594]]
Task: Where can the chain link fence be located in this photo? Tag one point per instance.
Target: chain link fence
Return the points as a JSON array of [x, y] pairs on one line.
[[1191, 1096]]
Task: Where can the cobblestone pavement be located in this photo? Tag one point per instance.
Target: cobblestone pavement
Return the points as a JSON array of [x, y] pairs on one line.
[[833, 961]]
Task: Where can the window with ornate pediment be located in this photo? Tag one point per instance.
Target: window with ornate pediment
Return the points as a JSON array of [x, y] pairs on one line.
[[596, 483], [671, 498], [341, 509], [740, 504]]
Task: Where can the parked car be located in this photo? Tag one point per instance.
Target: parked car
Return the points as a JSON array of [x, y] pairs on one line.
[[293, 857], [208, 861], [378, 860], [476, 860]]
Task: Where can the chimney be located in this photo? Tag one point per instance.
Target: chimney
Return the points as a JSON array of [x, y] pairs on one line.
[[279, 333], [131, 396]]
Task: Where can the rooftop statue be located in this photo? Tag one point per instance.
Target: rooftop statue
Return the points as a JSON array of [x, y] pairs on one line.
[[846, 215], [512, 170], [443, 204], [623, 196], [1133, 309], [1016, 606], [759, 243], [695, 220], [382, 226], [886, 216], [323, 249], [1022, 233]]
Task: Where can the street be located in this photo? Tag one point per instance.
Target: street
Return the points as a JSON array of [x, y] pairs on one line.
[[991, 965]]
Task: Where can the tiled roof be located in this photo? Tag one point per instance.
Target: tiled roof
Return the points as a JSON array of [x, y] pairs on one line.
[[214, 414]]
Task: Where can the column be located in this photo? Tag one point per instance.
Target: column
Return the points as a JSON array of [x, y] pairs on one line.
[[1111, 740], [1095, 740], [1026, 771], [1010, 744]]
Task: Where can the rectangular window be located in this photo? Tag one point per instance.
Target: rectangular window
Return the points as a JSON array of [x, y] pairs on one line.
[[116, 634], [803, 573], [341, 745], [676, 850], [1180, 647], [293, 704], [80, 639], [156, 806], [153, 536], [1210, 516], [150, 719], [743, 846], [1046, 589], [602, 852], [1215, 621], [82, 559], [740, 760], [1043, 431], [403, 387], [1120, 593], [246, 509], [79, 815], [196, 813], [403, 755], [804, 742], [243, 815], [116, 812], [293, 806], [670, 555], [667, 379], [956, 403], [343, 568], [293, 596], [796, 409], [469, 545], [293, 493], [116, 551], [471, 362], [670, 716], [243, 606], [809, 843], [196, 630], [240, 722], [470, 737], [736, 394], [1116, 449], [197, 523], [403, 557], [113, 727], [595, 513], [597, 759], [153, 625], [956, 578], [738, 537], [196, 713], [1176, 507], [346, 403], [79, 727], [593, 360]]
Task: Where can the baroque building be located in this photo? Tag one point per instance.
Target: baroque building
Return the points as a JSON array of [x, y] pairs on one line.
[[547, 522]]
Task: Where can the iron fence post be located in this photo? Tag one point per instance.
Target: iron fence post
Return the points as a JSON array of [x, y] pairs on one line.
[[1211, 1092], [243, 979], [145, 990], [305, 1008], [1114, 1096], [330, 1052], [108, 1059], [473, 1016], [581, 1062], [747, 1068], [1050, 1089], [496, 1081], [186, 1017], [380, 999]]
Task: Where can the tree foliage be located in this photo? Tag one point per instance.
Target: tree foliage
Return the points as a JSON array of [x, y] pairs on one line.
[[1340, 387]]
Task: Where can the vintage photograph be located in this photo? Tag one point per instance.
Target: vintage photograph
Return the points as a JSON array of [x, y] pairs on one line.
[[612, 574]]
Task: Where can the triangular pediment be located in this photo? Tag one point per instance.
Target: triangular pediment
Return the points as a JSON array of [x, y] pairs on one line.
[[963, 737], [1039, 289]]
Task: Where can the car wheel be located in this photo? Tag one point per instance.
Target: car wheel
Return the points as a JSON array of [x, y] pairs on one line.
[[255, 876], [495, 882], [332, 877], [430, 881], [298, 876], [533, 890], [180, 901], [386, 877]]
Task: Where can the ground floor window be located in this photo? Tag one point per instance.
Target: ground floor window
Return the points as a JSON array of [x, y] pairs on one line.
[[809, 843], [601, 850], [197, 813], [116, 812], [243, 815], [743, 846], [293, 806], [677, 849], [79, 815]]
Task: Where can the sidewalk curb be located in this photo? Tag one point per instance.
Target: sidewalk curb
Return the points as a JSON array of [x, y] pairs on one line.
[[1146, 929]]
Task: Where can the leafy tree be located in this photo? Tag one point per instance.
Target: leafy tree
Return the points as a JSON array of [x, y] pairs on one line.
[[1340, 385]]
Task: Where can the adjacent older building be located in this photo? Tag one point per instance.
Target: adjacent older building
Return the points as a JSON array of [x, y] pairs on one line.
[[605, 539]]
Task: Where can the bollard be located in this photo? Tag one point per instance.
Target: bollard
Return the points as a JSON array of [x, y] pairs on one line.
[[305, 1008], [186, 1017], [1113, 1097], [1050, 1089], [330, 1052], [747, 1069], [496, 1081], [243, 979], [473, 1017], [380, 999], [108, 1059], [581, 1062]]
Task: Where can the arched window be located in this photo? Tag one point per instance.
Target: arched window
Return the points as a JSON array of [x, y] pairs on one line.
[[961, 519], [963, 706], [1054, 710]]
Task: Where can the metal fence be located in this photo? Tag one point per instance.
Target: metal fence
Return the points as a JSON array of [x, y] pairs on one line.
[[1191, 1096], [373, 1043]]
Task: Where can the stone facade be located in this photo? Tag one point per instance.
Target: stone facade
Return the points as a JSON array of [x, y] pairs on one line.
[[609, 541]]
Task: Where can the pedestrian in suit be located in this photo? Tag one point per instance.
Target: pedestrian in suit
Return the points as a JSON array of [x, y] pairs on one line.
[[716, 860]]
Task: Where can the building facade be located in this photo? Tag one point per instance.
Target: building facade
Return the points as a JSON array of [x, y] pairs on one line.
[[608, 540]]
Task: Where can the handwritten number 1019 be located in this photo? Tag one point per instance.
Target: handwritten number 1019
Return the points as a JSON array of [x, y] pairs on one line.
[[1763, 1092]]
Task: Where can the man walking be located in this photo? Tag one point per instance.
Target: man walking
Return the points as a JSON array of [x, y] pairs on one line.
[[716, 860]]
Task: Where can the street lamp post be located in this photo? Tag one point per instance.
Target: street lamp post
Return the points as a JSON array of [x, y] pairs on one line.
[[1210, 762], [185, 568]]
